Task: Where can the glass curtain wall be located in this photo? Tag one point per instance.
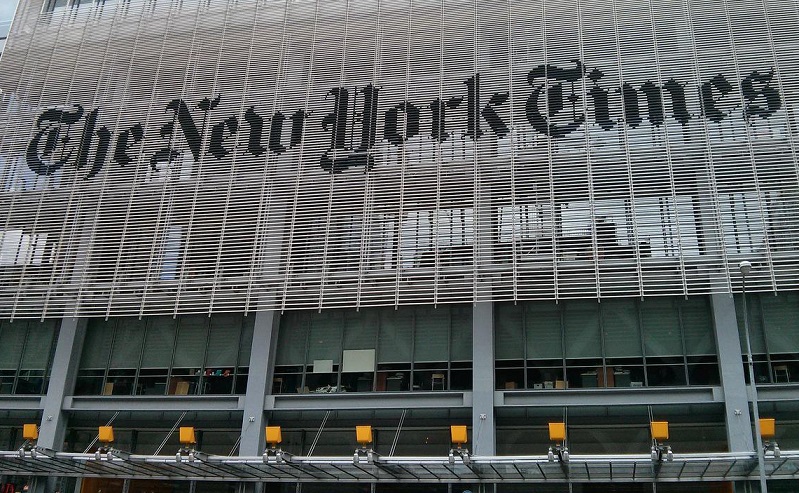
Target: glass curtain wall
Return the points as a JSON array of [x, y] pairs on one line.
[[774, 334], [375, 349], [26, 356], [193, 354], [615, 343]]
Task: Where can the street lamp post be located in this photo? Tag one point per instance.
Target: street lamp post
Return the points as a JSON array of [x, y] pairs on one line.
[[745, 267]]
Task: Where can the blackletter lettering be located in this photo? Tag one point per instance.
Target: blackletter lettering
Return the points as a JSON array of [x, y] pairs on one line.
[[42, 161], [439, 133], [215, 146], [136, 133], [337, 123], [709, 101], [554, 99], [391, 130], [86, 141], [632, 112], [766, 92], [256, 123], [275, 131], [599, 97]]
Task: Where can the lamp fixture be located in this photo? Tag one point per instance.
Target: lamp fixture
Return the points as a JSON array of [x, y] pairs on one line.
[[459, 436], [105, 435], [274, 437], [557, 435], [660, 433], [30, 432], [768, 429], [188, 441], [364, 437]]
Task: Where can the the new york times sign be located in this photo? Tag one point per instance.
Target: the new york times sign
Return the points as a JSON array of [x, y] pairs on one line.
[[554, 107]]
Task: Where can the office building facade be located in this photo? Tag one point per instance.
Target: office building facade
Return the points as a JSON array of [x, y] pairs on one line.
[[410, 214]]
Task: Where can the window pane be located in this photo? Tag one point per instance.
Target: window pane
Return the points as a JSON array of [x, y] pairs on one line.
[[581, 321], [360, 329], [127, 343], [756, 336], [396, 335], [192, 338], [697, 324], [246, 340], [41, 339], [461, 346], [97, 344], [291, 339], [661, 324], [544, 333], [325, 336], [508, 335], [223, 340], [431, 337], [158, 343], [781, 316], [12, 339], [620, 324]]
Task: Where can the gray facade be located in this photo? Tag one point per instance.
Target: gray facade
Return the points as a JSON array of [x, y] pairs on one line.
[[411, 214], [257, 155]]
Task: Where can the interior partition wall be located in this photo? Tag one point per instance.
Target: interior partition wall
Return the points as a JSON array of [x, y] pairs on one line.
[[661, 341], [413, 348], [191, 354]]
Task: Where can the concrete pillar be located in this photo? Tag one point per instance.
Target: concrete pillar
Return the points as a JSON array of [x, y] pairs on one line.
[[483, 428], [62, 380], [736, 399], [259, 382], [53, 426]]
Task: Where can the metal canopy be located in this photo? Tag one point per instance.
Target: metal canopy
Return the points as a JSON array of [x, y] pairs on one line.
[[595, 468]]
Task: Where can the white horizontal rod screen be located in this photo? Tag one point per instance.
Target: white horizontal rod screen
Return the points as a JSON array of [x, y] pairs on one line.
[[163, 157]]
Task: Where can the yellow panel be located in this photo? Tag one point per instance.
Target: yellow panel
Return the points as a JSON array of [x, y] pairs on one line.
[[30, 432], [458, 434], [106, 434], [557, 432], [187, 435], [768, 427], [363, 434], [273, 435], [660, 430]]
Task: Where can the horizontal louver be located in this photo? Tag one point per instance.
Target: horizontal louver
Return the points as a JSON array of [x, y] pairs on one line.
[[194, 156]]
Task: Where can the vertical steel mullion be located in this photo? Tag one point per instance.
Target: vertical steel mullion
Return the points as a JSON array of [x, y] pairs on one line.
[[102, 185], [262, 225], [669, 162], [714, 193], [589, 167], [628, 159], [751, 151], [298, 179], [403, 165], [477, 193], [555, 218], [197, 169], [368, 196], [136, 174], [781, 87], [513, 204], [232, 173], [331, 186], [69, 203]]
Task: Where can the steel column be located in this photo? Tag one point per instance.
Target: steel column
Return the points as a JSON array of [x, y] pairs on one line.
[[736, 403], [259, 382], [483, 428]]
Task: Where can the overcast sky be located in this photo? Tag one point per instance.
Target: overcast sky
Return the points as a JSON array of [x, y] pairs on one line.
[[7, 9]]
